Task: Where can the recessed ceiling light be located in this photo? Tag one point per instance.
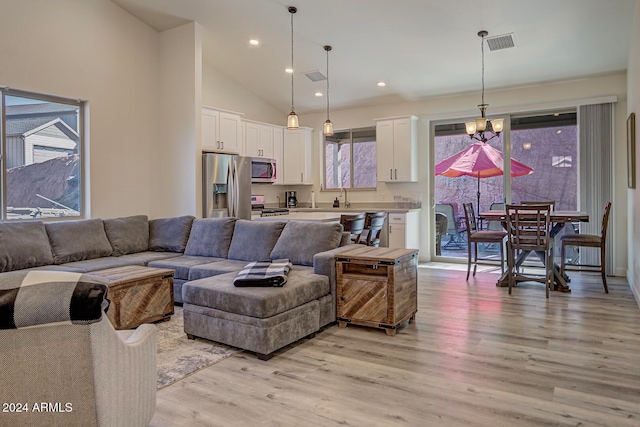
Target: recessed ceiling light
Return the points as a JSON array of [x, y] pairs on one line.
[[254, 42], [381, 84], [318, 93], [559, 131], [288, 70], [556, 114]]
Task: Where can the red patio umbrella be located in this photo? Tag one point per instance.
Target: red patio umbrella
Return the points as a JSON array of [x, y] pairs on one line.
[[479, 160]]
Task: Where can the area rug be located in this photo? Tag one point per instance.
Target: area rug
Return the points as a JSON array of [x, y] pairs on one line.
[[179, 357]]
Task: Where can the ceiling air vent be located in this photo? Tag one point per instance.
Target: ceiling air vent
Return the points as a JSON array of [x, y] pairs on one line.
[[504, 41], [315, 76]]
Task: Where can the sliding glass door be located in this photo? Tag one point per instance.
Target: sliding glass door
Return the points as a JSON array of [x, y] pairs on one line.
[[547, 142]]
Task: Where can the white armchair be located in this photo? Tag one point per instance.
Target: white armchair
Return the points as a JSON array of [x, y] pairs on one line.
[[66, 373]]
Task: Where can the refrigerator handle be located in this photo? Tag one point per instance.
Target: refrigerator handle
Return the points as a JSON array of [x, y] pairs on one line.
[[230, 188]]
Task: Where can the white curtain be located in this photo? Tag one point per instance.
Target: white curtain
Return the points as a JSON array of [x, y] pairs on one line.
[[595, 124]]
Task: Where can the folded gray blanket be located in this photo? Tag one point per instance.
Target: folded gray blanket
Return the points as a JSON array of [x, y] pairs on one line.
[[264, 273]]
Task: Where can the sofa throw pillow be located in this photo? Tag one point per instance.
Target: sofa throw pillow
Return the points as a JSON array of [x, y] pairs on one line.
[[78, 240], [301, 240], [169, 234], [254, 240], [128, 235], [210, 237], [24, 245]]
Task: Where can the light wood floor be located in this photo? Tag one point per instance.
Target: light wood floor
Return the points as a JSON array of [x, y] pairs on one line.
[[475, 356]]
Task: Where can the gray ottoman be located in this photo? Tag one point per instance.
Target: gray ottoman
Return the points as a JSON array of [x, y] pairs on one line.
[[259, 319]]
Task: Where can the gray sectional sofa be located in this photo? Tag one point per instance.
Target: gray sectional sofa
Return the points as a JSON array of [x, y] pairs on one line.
[[206, 255]]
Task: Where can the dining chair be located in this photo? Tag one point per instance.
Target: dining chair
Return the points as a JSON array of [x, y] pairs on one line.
[[545, 202], [592, 241], [373, 223], [529, 230], [354, 224], [475, 236], [441, 230], [455, 227]]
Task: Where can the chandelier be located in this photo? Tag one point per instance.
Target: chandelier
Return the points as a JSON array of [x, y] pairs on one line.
[[292, 120], [482, 129]]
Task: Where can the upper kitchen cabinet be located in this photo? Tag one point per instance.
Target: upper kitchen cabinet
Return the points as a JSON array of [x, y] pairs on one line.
[[295, 167], [397, 149], [221, 130], [259, 139]]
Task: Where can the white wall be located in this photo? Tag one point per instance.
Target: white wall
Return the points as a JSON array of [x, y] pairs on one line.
[[222, 92], [177, 166], [509, 100], [633, 105], [93, 50]]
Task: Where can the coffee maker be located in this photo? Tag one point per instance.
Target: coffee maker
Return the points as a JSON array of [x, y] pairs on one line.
[[291, 198]]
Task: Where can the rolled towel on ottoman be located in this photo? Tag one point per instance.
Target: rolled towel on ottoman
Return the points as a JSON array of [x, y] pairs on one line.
[[264, 273]]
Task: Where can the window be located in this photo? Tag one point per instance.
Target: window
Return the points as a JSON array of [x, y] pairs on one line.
[[350, 159], [41, 148], [548, 143]]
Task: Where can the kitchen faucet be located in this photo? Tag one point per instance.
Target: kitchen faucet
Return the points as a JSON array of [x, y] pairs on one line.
[[346, 203]]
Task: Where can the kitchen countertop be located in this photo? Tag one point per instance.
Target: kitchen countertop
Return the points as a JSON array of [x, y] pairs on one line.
[[331, 216], [356, 209]]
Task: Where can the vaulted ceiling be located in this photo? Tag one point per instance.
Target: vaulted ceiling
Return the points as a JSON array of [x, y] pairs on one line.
[[419, 48]]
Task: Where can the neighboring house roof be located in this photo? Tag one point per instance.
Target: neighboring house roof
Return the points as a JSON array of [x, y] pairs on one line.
[[44, 108], [30, 126], [71, 134], [24, 118]]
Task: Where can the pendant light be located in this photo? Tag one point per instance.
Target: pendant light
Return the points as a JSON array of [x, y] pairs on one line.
[[328, 126], [477, 128], [292, 120]]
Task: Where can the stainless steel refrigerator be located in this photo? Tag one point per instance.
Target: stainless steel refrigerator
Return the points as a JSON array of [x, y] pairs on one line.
[[226, 185]]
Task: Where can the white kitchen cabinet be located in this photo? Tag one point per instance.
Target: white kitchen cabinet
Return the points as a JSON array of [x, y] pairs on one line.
[[296, 157], [258, 139], [404, 230], [397, 149], [221, 130]]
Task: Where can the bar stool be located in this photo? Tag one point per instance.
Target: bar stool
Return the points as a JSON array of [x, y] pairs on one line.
[[373, 224], [354, 224]]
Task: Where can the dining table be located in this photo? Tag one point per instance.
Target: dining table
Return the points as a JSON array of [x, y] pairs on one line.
[[558, 220]]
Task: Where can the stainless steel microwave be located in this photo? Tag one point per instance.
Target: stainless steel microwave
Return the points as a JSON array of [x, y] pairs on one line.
[[263, 170]]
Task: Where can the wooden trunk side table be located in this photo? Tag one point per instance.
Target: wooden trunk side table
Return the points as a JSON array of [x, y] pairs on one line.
[[377, 287], [138, 295]]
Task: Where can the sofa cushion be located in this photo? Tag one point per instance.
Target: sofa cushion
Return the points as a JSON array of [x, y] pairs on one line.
[[301, 240], [24, 245], [169, 234], [78, 240], [182, 264], [128, 235], [102, 263], [201, 271], [254, 240], [218, 292], [210, 237]]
